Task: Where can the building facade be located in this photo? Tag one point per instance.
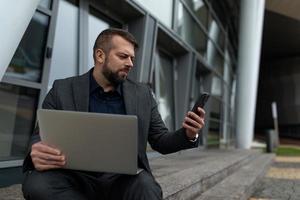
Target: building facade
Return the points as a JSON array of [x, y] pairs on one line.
[[185, 49]]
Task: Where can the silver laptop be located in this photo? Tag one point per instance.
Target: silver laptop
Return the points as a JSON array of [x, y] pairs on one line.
[[92, 141]]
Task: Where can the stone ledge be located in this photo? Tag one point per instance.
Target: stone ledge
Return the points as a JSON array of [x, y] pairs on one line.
[[241, 184], [187, 175], [184, 175]]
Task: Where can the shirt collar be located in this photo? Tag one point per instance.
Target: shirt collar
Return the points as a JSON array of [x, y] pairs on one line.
[[94, 85]]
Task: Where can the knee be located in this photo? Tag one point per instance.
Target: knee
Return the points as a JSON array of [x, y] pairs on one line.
[[149, 187], [36, 186]]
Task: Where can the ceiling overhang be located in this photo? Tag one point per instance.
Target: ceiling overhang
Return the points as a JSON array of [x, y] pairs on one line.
[[289, 8]]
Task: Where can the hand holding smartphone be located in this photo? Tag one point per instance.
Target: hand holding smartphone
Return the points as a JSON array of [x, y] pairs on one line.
[[200, 101]]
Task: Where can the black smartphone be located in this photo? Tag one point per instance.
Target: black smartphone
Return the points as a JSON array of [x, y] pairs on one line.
[[200, 101]]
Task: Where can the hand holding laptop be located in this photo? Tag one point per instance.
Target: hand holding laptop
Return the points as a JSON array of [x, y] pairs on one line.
[[90, 141], [45, 157]]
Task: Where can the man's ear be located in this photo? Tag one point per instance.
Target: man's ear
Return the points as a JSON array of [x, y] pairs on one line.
[[100, 56]]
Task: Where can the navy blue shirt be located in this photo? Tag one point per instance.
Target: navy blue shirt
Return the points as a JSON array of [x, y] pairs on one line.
[[105, 102]]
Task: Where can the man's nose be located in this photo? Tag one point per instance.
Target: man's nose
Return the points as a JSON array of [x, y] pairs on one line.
[[129, 62]]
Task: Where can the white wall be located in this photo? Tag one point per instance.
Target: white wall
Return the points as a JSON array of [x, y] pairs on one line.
[[15, 16]]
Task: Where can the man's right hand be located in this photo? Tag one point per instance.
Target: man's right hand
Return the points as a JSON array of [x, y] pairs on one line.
[[45, 157]]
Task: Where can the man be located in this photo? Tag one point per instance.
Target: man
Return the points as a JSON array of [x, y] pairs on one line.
[[106, 89]]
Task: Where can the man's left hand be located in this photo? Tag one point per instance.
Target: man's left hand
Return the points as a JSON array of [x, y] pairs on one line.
[[193, 123]]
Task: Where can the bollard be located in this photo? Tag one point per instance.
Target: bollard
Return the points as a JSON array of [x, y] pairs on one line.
[[270, 137]]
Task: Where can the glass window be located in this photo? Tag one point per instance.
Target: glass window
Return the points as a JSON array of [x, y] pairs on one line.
[[17, 117], [198, 87], [218, 62], [216, 88], [46, 3], [163, 10], [194, 91], [164, 88], [200, 82], [213, 31], [200, 10], [214, 58], [216, 38], [215, 109], [211, 53], [216, 34], [189, 30], [213, 136], [221, 41], [65, 48], [27, 62], [97, 23]]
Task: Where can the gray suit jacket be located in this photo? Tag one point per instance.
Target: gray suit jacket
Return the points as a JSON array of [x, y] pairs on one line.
[[73, 94]]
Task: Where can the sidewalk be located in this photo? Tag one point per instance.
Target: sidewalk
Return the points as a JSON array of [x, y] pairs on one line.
[[282, 181]]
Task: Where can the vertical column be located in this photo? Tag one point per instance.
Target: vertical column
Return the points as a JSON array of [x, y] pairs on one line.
[[15, 16], [83, 36], [251, 23], [226, 96]]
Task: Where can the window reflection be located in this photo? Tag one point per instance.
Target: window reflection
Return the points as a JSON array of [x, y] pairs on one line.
[[46, 3], [64, 62], [218, 62], [200, 10], [164, 92], [221, 41], [213, 137], [17, 116], [97, 23], [215, 107], [214, 57], [189, 30], [216, 88], [27, 62], [163, 10]]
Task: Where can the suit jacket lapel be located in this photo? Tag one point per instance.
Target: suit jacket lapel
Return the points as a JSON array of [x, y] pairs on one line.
[[130, 100], [81, 89]]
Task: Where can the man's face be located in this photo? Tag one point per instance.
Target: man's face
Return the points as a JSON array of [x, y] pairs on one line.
[[119, 60]]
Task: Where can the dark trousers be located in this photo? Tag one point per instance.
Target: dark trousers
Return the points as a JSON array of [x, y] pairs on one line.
[[78, 185]]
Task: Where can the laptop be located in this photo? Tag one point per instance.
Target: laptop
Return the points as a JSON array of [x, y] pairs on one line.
[[92, 141]]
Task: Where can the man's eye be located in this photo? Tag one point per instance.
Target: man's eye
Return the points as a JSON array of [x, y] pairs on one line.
[[123, 56]]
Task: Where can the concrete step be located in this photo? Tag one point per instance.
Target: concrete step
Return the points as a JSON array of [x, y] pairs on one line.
[[241, 184], [13, 192], [189, 174], [185, 175]]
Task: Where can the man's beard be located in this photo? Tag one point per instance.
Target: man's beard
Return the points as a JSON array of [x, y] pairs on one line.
[[111, 76]]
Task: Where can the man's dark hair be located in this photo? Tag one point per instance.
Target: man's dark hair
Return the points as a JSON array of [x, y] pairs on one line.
[[103, 40]]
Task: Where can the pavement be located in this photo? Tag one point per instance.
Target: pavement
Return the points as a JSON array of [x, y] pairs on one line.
[[282, 181]]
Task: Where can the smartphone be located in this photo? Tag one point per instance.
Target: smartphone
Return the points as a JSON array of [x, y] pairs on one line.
[[200, 101]]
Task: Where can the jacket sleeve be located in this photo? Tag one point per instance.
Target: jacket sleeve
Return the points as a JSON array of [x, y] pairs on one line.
[[161, 139], [50, 102]]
